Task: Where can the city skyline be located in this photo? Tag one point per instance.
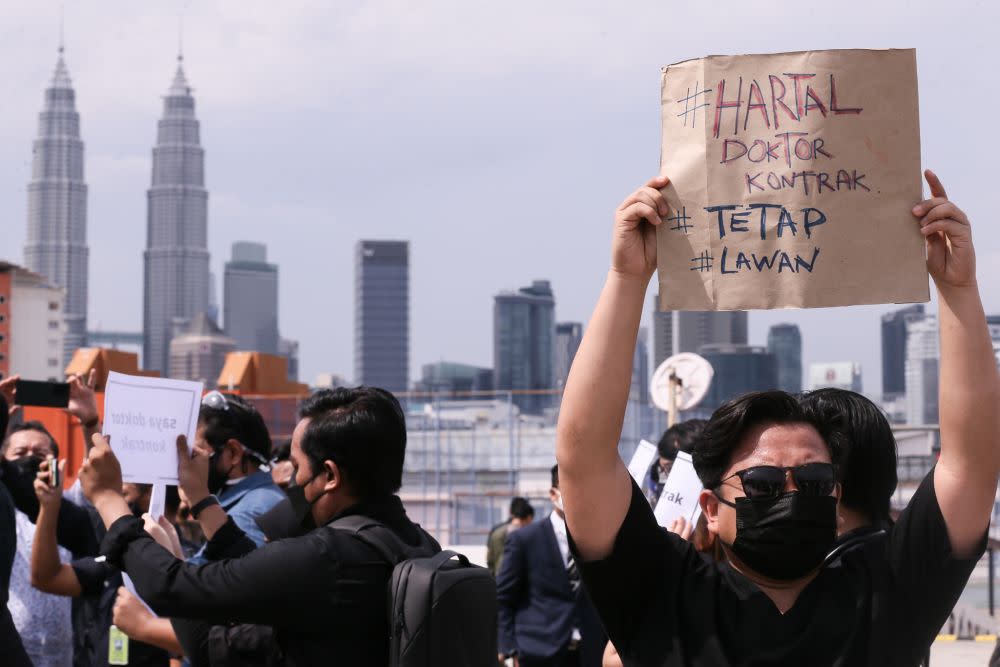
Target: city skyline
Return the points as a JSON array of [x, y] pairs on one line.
[[301, 148]]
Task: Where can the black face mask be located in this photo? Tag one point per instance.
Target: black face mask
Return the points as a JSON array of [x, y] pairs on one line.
[[216, 479], [787, 537], [135, 509], [27, 467], [292, 517]]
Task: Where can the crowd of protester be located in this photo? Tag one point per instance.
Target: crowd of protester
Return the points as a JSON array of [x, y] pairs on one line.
[[301, 553]]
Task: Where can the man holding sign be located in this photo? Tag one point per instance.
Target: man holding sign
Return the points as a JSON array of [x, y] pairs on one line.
[[771, 492]]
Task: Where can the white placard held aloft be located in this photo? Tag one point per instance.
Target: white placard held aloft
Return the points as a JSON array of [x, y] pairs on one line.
[[680, 493], [644, 455], [143, 416]]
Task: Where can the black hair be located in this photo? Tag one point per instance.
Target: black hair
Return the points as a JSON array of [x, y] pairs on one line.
[[680, 438], [724, 432], [32, 426], [866, 447], [555, 476], [363, 431], [240, 422], [282, 450], [172, 499], [520, 508]]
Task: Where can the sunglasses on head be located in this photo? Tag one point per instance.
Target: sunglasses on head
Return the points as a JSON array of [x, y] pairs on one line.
[[811, 479], [216, 400]]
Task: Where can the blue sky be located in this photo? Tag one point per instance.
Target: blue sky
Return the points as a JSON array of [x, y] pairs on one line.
[[497, 137]]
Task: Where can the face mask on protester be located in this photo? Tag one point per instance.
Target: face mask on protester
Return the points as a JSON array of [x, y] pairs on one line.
[[135, 509], [27, 466], [786, 537], [292, 517], [216, 479]]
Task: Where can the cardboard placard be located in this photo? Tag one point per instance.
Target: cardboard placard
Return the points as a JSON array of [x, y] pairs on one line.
[[143, 416], [793, 177]]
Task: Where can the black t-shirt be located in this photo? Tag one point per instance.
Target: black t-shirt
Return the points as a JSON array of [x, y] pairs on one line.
[[881, 603], [92, 615]]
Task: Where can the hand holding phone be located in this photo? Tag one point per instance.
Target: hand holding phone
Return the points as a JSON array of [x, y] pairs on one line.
[[41, 394]]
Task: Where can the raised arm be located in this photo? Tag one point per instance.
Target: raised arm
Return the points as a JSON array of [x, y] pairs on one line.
[[48, 574], [595, 484], [83, 405], [965, 479]]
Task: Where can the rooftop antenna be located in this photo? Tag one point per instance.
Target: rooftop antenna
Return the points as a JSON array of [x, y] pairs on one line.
[[62, 20], [180, 37]]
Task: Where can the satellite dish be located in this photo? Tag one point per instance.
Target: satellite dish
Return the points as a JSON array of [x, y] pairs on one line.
[[680, 382]]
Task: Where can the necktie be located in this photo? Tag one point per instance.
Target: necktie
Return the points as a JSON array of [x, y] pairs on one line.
[[573, 573]]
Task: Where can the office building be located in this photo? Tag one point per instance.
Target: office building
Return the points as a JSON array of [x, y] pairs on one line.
[[687, 331], [452, 378], [251, 299], [289, 349], [568, 337], [56, 245], [176, 257], [639, 390], [198, 351], [524, 345], [894, 350], [32, 326], [922, 367], [838, 375], [993, 322], [382, 314], [784, 341], [738, 369]]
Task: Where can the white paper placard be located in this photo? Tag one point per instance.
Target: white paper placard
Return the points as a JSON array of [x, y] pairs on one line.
[[641, 460], [680, 493], [143, 416], [158, 501]]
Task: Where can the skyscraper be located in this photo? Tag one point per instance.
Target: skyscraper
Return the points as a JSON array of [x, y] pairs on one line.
[[568, 337], [56, 246], [894, 350], [738, 369], [663, 333], [523, 343], [922, 361], [639, 389], [686, 331], [176, 257], [785, 342], [251, 298], [382, 314], [993, 323]]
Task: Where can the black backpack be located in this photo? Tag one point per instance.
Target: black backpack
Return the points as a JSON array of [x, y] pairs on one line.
[[442, 609]]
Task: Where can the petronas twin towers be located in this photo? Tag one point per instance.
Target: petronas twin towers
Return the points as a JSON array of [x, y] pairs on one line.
[[176, 257]]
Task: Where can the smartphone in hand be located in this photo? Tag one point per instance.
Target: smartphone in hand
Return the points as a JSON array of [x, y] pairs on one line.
[[42, 394], [54, 478]]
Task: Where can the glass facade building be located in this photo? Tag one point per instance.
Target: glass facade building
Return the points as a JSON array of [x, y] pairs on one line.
[[176, 257], [382, 314], [738, 369], [894, 349], [524, 343], [251, 299], [784, 341], [56, 245], [568, 337]]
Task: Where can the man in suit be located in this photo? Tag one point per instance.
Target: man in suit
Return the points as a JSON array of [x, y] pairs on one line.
[[545, 617], [521, 514]]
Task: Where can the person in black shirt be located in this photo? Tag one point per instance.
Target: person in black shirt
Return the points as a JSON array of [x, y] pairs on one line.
[[11, 647], [866, 449], [325, 591], [771, 493], [91, 581]]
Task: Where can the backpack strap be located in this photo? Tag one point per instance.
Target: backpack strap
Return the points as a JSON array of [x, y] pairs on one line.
[[375, 534]]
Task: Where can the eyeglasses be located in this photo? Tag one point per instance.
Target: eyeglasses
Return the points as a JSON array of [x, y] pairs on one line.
[[216, 400], [811, 479]]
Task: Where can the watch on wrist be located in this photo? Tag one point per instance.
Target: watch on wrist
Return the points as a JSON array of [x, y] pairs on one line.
[[202, 505]]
